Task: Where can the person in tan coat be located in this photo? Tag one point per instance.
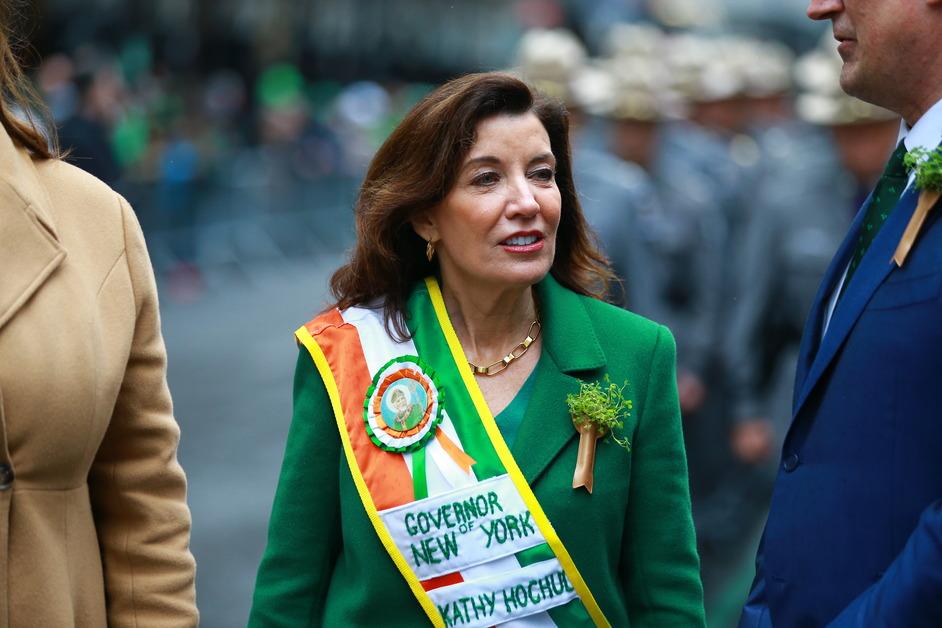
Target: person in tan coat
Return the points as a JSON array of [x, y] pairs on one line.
[[94, 526]]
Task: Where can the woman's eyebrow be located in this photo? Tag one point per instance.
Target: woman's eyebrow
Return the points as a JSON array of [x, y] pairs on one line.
[[484, 159], [490, 159]]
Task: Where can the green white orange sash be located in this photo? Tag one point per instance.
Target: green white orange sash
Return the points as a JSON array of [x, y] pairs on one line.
[[439, 484]]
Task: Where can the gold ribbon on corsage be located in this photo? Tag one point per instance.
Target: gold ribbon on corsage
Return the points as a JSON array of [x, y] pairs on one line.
[[596, 411], [928, 167]]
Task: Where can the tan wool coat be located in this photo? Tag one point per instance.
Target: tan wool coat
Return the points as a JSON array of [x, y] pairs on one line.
[[94, 526]]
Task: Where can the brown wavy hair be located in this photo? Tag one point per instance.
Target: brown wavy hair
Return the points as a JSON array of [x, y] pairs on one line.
[[19, 103], [415, 169]]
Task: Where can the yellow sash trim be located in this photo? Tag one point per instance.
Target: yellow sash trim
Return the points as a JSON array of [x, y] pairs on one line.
[[507, 459], [305, 338]]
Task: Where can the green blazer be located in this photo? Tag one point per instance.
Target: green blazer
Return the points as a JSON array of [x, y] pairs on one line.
[[632, 539]]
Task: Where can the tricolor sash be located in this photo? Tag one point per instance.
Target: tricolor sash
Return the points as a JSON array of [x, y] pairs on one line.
[[436, 478]]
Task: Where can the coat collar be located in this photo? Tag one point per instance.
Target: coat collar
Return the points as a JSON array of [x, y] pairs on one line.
[[30, 249], [875, 267], [811, 337], [568, 334], [570, 346]]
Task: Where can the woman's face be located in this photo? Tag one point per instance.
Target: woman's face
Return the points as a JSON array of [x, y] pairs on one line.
[[496, 228]]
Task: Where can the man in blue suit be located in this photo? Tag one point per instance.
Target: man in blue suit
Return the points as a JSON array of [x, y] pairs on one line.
[[854, 536]]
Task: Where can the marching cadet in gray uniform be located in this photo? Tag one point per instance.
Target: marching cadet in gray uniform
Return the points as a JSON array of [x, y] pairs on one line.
[[678, 215], [790, 242], [612, 191], [674, 209], [657, 219], [714, 155], [712, 159], [696, 168], [685, 228], [785, 142]]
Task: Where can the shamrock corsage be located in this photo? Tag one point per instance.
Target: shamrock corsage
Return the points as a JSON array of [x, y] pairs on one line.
[[596, 411], [928, 168]]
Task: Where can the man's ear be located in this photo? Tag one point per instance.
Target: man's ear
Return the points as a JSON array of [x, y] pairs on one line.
[[424, 224]]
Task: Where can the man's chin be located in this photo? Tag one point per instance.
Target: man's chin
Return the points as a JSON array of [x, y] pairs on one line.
[[850, 82], [854, 83]]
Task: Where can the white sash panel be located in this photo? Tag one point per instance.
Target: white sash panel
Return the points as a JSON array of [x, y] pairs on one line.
[[442, 474], [506, 597], [462, 528], [446, 481]]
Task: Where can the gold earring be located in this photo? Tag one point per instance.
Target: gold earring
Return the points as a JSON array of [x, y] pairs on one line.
[[430, 250]]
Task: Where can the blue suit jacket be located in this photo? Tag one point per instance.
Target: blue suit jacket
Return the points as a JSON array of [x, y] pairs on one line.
[[854, 536]]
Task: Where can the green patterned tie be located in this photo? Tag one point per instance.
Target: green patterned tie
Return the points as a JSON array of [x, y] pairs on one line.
[[889, 189]]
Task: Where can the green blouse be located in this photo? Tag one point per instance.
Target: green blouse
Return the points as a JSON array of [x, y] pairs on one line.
[[511, 417]]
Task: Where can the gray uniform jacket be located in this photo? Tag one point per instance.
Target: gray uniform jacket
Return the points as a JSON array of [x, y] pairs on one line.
[[789, 243]]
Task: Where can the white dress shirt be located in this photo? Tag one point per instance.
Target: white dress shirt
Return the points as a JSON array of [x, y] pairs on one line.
[[925, 134]]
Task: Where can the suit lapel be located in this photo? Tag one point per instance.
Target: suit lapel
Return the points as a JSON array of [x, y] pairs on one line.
[[570, 346], [29, 244], [877, 264], [811, 336]]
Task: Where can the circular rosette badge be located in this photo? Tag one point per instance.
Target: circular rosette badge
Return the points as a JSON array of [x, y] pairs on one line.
[[403, 406]]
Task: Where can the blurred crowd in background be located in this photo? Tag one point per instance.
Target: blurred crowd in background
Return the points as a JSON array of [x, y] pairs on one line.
[[715, 155]]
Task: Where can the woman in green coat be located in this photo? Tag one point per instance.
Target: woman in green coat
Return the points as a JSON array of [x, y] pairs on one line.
[[543, 481]]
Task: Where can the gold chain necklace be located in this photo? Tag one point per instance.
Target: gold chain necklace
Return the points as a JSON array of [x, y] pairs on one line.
[[515, 353]]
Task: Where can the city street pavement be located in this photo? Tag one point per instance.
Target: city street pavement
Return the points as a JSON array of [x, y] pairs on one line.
[[231, 360]]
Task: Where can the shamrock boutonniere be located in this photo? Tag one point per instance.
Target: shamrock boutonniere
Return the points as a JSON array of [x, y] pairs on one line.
[[928, 168], [596, 411]]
